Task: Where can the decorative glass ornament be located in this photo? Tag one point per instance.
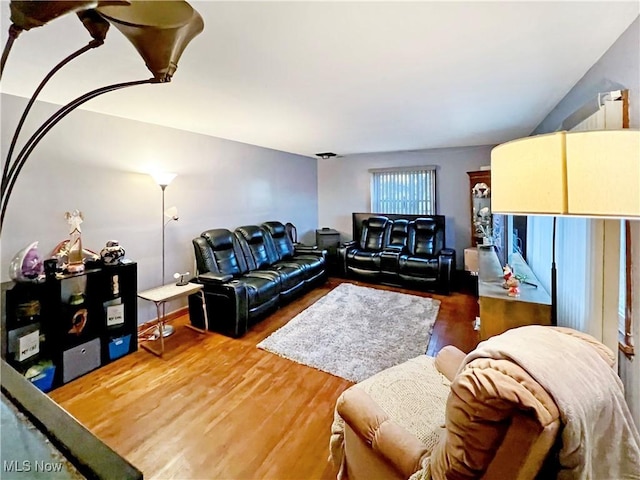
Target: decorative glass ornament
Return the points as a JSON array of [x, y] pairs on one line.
[[27, 265]]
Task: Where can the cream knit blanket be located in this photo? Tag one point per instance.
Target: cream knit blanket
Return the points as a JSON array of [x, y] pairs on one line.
[[599, 438], [412, 393]]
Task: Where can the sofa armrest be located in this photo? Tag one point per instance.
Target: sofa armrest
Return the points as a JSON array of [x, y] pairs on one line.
[[400, 448], [309, 250], [449, 252], [446, 267], [393, 249], [343, 250], [215, 278], [227, 303], [301, 247], [448, 361]]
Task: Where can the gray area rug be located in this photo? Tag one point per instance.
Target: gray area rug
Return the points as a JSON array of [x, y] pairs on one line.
[[354, 332]]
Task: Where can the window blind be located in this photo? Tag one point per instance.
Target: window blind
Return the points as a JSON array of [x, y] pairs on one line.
[[409, 191]]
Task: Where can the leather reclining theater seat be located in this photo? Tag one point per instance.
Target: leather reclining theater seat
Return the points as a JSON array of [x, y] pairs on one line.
[[401, 252], [249, 272]]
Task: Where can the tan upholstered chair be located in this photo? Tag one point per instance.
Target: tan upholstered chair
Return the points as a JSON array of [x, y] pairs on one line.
[[460, 417]]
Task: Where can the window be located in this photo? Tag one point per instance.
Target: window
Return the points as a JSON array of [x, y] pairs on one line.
[[409, 190], [622, 287], [625, 305], [518, 229], [574, 248]]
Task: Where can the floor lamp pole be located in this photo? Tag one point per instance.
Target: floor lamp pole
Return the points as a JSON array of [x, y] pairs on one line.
[[163, 187], [554, 279], [167, 329]]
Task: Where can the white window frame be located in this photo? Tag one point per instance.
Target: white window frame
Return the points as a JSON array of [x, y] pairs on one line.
[[418, 197]]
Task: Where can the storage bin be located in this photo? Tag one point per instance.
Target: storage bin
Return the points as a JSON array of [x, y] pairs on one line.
[[80, 360], [119, 347], [44, 380]]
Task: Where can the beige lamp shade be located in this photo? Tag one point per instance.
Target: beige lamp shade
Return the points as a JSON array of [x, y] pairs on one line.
[[528, 176], [603, 173], [594, 173]]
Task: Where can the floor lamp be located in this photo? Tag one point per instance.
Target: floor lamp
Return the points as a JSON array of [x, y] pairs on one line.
[[160, 31], [163, 179], [589, 174]]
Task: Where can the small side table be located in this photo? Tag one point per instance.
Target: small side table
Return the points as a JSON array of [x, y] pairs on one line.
[[329, 239], [165, 293]]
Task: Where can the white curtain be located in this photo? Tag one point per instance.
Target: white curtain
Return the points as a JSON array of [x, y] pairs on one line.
[[575, 288], [573, 261]]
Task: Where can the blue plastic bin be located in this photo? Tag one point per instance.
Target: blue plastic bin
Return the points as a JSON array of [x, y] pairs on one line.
[[44, 380], [119, 347]]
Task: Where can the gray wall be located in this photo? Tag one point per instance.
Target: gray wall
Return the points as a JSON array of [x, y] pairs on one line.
[[344, 187], [98, 163], [618, 68]]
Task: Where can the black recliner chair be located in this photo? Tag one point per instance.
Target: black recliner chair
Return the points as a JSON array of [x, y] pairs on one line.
[[427, 262], [235, 295], [260, 257], [362, 257], [284, 251]]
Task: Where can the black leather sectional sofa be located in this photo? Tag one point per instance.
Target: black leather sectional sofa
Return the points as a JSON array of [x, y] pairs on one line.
[[249, 272], [407, 251]]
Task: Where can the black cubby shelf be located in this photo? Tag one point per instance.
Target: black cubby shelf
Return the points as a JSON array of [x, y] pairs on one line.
[[84, 321]]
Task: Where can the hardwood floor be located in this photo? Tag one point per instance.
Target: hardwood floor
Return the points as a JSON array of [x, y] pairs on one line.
[[220, 408]]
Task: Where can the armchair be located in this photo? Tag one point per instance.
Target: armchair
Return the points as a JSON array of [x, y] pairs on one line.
[[517, 407]]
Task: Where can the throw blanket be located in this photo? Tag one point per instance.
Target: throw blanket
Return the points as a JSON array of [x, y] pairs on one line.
[[412, 393], [599, 438]]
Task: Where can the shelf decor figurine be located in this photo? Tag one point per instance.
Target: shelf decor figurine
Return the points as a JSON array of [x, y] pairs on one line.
[[26, 265], [507, 273], [74, 219], [513, 284], [112, 253]]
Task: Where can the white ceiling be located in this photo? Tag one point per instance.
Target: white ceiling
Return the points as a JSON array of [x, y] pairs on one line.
[[347, 77]]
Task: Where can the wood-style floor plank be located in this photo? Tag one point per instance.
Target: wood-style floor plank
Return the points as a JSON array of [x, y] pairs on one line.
[[220, 408]]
